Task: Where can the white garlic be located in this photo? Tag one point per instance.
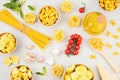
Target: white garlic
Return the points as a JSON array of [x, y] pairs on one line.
[[56, 51], [50, 62]]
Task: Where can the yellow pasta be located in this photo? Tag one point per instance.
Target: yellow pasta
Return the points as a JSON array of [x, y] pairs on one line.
[[115, 53], [57, 70], [7, 61], [78, 72], [30, 18], [108, 33], [109, 5], [7, 43], [66, 6], [118, 30], [92, 56], [115, 36], [21, 73], [74, 21], [112, 22], [15, 59], [58, 35], [108, 45], [96, 43], [48, 15], [118, 44]]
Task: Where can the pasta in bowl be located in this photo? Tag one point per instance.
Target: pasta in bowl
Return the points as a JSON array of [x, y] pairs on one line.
[[7, 43], [21, 72], [78, 72], [48, 15]]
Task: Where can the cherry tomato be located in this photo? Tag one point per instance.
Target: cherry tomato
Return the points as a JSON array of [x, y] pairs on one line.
[[77, 47], [70, 41], [79, 42], [69, 46], [72, 36], [82, 10], [75, 52], [67, 51], [79, 38], [76, 36]]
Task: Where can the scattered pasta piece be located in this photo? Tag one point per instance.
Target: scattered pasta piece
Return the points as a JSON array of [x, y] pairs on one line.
[[96, 43], [57, 70], [58, 35], [93, 56], [108, 33], [118, 44], [112, 22], [7, 61], [115, 36], [30, 18], [66, 6], [108, 45], [118, 30], [115, 53], [15, 59]]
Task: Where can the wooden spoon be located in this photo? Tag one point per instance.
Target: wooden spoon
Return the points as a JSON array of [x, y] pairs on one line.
[[114, 66]]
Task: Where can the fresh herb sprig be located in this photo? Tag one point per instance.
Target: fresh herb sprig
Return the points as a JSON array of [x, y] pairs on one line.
[[16, 6], [31, 7], [44, 71]]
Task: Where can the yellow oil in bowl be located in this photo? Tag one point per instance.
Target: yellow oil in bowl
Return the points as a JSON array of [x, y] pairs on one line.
[[91, 24]]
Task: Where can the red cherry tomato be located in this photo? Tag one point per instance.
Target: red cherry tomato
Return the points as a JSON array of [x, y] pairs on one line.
[[72, 36], [79, 42], [75, 52], [76, 36], [70, 41], [67, 51], [82, 10], [77, 47], [69, 46], [79, 38]]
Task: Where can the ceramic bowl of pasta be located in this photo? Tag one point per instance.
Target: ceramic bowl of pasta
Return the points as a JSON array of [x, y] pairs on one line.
[[7, 43], [48, 15], [109, 5], [21, 72], [78, 72]]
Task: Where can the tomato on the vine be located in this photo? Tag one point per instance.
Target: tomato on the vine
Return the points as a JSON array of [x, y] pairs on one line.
[[75, 52], [79, 38], [77, 47], [76, 36], [67, 51], [69, 46], [70, 41], [72, 36], [78, 42]]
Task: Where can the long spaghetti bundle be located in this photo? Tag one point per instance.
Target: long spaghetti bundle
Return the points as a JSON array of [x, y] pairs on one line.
[[38, 38]]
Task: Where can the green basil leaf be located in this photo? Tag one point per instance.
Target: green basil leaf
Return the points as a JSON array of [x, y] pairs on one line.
[[21, 2], [44, 70], [13, 0], [13, 6], [31, 7], [39, 73], [21, 14]]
